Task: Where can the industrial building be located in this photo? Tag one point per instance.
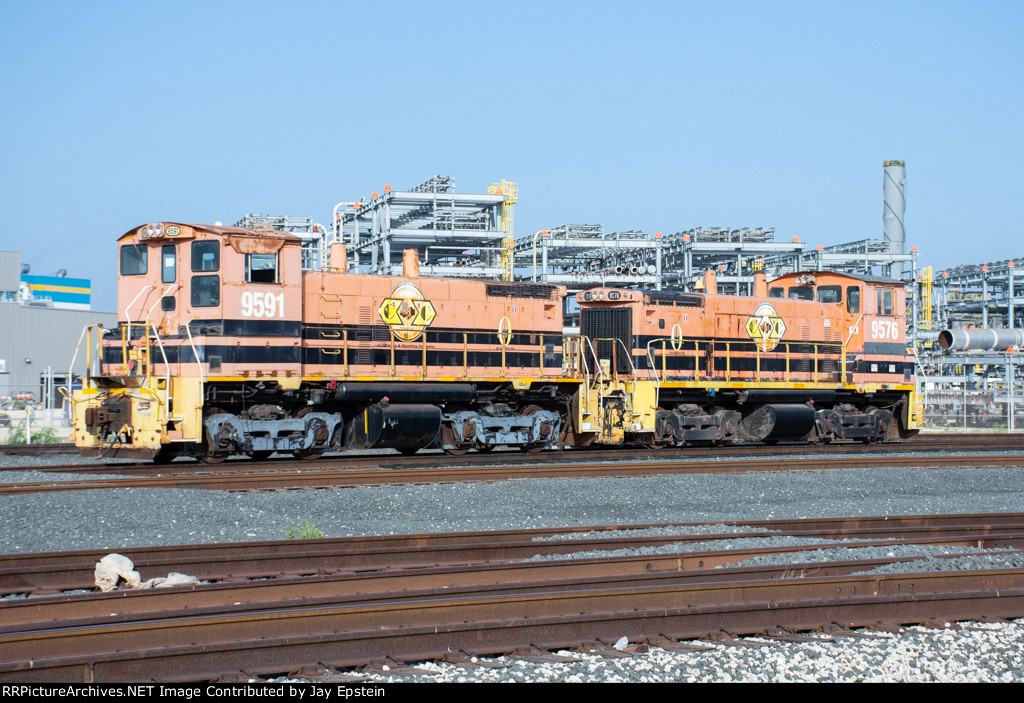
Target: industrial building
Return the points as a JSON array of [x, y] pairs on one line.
[[41, 319]]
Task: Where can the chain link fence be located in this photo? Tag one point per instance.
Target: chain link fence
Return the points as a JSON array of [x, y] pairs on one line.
[[34, 415]]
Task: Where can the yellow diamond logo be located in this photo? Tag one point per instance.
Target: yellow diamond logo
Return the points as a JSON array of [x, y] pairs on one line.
[[406, 312], [766, 327]]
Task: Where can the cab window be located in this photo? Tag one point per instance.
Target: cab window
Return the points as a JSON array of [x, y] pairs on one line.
[[205, 291], [801, 292], [261, 268], [777, 292], [133, 259], [168, 264], [205, 256], [830, 294], [853, 300], [885, 302]]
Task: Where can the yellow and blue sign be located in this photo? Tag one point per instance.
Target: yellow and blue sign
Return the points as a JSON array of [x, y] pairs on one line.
[[64, 292]]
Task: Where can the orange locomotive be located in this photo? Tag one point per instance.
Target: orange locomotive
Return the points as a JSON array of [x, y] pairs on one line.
[[819, 356], [226, 346]]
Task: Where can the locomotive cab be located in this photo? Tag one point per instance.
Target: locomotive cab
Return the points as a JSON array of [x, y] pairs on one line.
[[189, 297]]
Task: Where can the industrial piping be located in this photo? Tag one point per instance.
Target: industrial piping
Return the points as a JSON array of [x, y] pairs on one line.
[[983, 339]]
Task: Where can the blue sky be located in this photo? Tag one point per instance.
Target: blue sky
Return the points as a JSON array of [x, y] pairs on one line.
[[635, 115]]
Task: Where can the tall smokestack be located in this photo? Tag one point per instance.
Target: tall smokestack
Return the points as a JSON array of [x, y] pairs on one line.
[[894, 186]]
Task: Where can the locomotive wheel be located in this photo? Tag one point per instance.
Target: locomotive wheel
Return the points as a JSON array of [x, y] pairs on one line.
[[531, 448], [448, 437], [901, 433], [813, 437], [210, 456], [165, 455], [870, 440], [654, 444], [308, 454]]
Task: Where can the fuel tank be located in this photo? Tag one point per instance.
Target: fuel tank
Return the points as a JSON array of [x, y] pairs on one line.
[[396, 426], [770, 423]]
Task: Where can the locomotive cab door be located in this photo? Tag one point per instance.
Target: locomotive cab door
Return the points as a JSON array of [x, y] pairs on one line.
[[853, 327], [167, 319]]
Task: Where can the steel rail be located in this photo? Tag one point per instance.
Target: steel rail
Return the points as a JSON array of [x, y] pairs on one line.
[[272, 641], [922, 443], [265, 560], [519, 577], [477, 474], [828, 526]]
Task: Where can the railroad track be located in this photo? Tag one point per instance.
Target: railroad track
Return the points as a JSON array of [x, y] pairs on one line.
[[329, 604], [921, 443], [245, 479], [37, 449]]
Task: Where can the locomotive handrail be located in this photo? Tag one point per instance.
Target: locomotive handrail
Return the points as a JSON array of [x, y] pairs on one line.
[[632, 366], [573, 360], [629, 356], [650, 358], [88, 357], [74, 357], [159, 298], [167, 366], [149, 331], [588, 342], [128, 317], [786, 352], [195, 353]]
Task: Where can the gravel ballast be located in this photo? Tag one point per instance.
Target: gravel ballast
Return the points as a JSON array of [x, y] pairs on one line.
[[115, 519]]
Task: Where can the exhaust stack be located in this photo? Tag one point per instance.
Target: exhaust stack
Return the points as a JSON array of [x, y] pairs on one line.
[[894, 185]]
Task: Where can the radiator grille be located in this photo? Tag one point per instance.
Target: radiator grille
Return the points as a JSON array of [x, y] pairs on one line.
[[540, 291], [685, 300], [608, 324]]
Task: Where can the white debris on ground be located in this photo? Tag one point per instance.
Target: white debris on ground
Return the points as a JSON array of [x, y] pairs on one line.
[[115, 568]]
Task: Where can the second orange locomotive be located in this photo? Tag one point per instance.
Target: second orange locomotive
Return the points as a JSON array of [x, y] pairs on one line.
[[226, 346]]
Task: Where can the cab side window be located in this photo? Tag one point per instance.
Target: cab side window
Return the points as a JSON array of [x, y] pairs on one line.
[[830, 294], [133, 259], [205, 291], [777, 292], [885, 302], [205, 256], [853, 300], [261, 268]]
